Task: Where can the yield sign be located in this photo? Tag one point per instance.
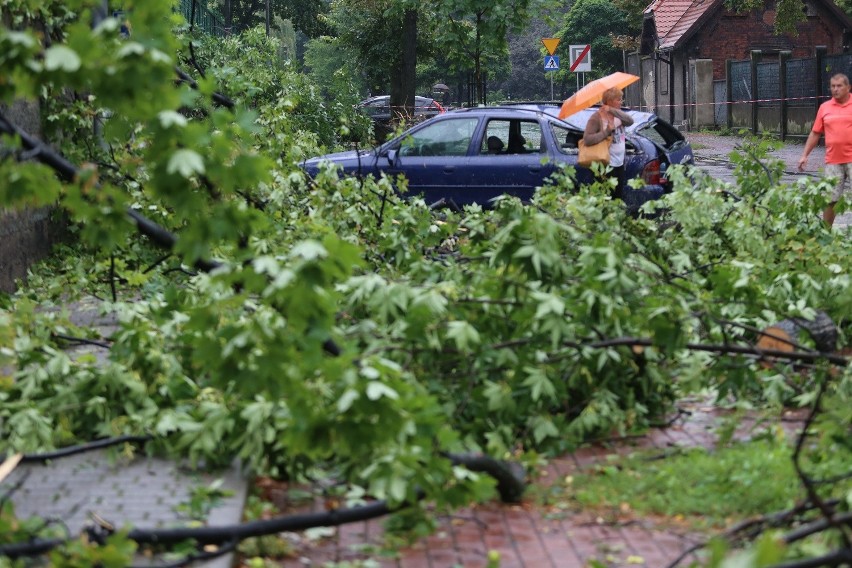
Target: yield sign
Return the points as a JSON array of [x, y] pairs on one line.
[[550, 44], [581, 57]]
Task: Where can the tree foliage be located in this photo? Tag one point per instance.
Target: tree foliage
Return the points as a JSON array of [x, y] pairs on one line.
[[788, 13], [306, 15], [328, 325], [607, 20], [477, 30]]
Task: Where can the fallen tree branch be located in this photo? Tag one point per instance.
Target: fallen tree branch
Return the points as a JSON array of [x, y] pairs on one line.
[[842, 557], [218, 98], [827, 511]]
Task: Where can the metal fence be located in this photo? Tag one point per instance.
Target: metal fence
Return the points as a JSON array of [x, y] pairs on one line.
[[198, 15], [801, 78], [784, 94], [769, 81], [833, 64], [740, 81], [780, 95]]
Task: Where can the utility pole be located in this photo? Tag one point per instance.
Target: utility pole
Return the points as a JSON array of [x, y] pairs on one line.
[[267, 18]]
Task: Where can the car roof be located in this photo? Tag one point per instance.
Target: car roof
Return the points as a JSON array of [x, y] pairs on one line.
[[534, 110], [579, 119], [503, 109]]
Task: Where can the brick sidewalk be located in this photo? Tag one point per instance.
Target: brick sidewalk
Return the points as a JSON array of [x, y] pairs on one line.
[[532, 535]]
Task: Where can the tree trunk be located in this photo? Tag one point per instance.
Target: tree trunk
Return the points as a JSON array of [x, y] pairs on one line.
[[409, 59], [403, 80], [821, 330], [477, 75]]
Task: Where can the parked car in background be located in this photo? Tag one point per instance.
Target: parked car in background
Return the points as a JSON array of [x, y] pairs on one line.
[[477, 154], [379, 110]]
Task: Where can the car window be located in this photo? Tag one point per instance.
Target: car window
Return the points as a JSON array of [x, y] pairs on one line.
[[443, 138], [566, 138], [531, 139], [511, 136], [379, 106], [496, 137]]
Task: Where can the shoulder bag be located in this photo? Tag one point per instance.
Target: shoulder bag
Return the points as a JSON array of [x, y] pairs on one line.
[[594, 154]]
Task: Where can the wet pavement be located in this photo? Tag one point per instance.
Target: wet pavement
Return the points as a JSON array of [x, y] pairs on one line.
[[712, 153], [539, 532]]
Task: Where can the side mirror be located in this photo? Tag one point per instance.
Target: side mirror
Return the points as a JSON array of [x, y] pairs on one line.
[[392, 158]]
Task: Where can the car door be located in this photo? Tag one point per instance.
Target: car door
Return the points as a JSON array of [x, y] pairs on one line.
[[433, 158], [508, 160], [668, 139]]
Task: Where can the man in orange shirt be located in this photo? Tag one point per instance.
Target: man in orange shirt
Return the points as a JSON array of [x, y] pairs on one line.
[[834, 118]]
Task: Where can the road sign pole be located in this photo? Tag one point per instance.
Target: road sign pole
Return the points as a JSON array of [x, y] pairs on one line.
[[551, 43]]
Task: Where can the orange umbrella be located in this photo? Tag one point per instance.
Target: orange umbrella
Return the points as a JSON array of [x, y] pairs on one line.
[[591, 93]]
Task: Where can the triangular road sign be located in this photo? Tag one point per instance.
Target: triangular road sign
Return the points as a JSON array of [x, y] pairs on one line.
[[550, 44]]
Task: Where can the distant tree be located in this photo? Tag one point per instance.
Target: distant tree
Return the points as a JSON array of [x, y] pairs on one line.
[[634, 9], [330, 71], [526, 78], [477, 29], [305, 14], [788, 13], [382, 36], [286, 34], [592, 22]]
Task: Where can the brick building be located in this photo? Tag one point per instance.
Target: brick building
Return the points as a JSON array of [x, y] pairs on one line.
[[683, 39]]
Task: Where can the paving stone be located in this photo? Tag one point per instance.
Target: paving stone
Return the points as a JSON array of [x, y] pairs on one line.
[[143, 492], [531, 535]]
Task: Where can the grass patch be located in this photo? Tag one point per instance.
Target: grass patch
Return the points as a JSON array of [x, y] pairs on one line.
[[705, 488]]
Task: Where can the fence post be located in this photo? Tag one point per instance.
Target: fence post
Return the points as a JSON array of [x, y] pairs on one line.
[[756, 56], [820, 52], [783, 58], [729, 94]]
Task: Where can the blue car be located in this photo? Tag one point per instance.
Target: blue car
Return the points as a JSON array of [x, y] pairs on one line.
[[474, 155]]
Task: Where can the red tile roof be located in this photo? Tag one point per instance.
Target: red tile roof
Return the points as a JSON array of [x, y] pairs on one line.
[[674, 18]]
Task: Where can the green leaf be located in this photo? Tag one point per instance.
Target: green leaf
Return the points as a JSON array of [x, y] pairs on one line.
[[543, 427], [309, 250], [186, 163], [170, 118], [344, 403], [539, 384], [61, 58], [463, 333], [377, 389]]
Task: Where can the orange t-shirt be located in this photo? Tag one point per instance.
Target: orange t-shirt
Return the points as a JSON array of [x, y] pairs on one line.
[[835, 120]]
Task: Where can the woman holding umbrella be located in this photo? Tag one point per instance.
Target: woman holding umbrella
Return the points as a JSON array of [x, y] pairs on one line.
[[608, 121]]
